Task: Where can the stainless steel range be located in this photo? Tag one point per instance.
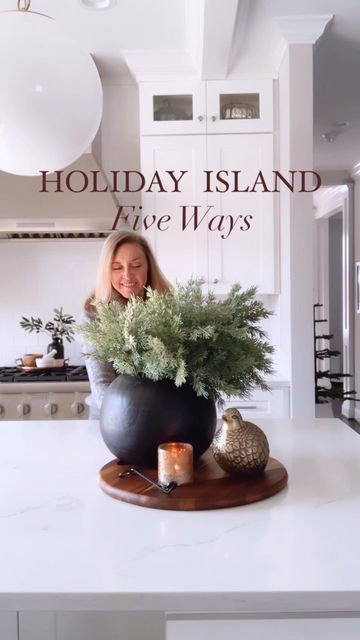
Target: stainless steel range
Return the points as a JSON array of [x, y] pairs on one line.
[[43, 394]]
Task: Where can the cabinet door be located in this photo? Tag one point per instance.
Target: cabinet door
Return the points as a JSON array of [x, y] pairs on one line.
[[37, 625], [274, 403], [89, 625], [8, 625], [172, 107], [241, 106], [180, 248], [272, 629], [249, 252]]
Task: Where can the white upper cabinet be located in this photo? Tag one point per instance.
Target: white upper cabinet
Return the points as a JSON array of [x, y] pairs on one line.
[[180, 239], [221, 223], [241, 106], [218, 226], [245, 249]]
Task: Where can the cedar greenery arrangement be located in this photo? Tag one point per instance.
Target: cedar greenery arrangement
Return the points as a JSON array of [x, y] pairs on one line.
[[216, 346]]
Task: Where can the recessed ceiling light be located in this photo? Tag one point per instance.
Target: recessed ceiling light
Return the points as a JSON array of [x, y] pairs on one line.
[[99, 4]]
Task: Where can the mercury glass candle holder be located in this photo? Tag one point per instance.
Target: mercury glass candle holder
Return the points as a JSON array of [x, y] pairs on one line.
[[175, 463]]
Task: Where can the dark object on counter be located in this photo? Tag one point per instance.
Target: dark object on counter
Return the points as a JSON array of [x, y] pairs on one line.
[[138, 414], [58, 328], [164, 488], [240, 447], [58, 345]]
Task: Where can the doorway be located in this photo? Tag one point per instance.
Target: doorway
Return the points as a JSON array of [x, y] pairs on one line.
[[336, 290], [334, 278]]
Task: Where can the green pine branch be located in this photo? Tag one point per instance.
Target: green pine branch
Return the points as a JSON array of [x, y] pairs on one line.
[[216, 346]]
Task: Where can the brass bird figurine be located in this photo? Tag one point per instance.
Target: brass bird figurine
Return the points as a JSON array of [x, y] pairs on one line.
[[240, 447]]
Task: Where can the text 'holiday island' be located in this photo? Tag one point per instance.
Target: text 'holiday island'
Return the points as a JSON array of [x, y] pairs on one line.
[[170, 181]]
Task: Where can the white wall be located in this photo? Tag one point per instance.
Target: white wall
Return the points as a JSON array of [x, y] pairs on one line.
[[297, 226], [357, 315], [35, 277], [120, 133]]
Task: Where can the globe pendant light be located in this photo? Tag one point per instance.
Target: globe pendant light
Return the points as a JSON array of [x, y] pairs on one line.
[[51, 94]]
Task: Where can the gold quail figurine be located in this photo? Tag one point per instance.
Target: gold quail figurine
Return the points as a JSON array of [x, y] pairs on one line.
[[240, 447]]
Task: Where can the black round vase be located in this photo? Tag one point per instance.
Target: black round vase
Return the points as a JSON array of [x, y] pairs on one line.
[[138, 414], [57, 344]]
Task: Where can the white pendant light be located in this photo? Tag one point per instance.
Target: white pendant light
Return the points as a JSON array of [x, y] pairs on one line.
[[51, 94]]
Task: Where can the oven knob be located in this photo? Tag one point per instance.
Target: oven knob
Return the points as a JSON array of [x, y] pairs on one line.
[[23, 409], [51, 408], [77, 408]]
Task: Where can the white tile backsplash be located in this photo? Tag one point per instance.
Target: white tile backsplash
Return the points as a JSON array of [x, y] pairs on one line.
[[35, 277]]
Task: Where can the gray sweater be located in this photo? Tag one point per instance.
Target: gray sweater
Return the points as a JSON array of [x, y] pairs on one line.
[[101, 374]]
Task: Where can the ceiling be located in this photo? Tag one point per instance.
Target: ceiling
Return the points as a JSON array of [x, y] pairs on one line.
[[172, 30]]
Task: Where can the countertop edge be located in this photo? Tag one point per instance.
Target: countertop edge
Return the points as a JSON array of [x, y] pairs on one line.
[[344, 603]]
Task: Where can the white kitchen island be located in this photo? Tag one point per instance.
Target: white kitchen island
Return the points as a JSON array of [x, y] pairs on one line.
[[77, 564]]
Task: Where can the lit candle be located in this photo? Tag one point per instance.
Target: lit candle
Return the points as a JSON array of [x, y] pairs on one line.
[[175, 462]]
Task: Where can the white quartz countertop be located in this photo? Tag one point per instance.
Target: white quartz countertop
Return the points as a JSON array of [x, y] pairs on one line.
[[64, 544]]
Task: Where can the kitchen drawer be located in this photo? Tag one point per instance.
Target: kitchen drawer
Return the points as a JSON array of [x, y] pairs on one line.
[[90, 625], [43, 406], [262, 404], [8, 625], [311, 628]]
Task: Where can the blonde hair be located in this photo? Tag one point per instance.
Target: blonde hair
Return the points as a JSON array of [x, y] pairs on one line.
[[103, 289]]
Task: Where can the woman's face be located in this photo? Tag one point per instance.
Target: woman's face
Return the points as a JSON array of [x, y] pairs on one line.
[[129, 270]]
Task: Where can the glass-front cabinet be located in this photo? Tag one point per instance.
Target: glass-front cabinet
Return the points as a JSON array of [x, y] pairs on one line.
[[172, 107], [241, 106]]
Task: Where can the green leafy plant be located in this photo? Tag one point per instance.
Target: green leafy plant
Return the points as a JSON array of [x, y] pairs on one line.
[[59, 327], [216, 346]]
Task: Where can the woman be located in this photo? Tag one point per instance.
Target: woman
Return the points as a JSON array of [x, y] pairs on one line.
[[126, 267]]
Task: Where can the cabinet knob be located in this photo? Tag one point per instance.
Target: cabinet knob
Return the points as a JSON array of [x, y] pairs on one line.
[[216, 280], [51, 408], [77, 408], [23, 409], [213, 118], [200, 118]]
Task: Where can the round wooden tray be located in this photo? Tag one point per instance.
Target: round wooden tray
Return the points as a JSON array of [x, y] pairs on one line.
[[212, 487]]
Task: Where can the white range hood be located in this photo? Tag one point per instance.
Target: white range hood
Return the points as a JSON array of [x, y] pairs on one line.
[[27, 212]]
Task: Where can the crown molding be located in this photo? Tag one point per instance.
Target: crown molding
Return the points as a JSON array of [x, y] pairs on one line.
[[148, 66], [300, 29], [303, 29], [329, 199]]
